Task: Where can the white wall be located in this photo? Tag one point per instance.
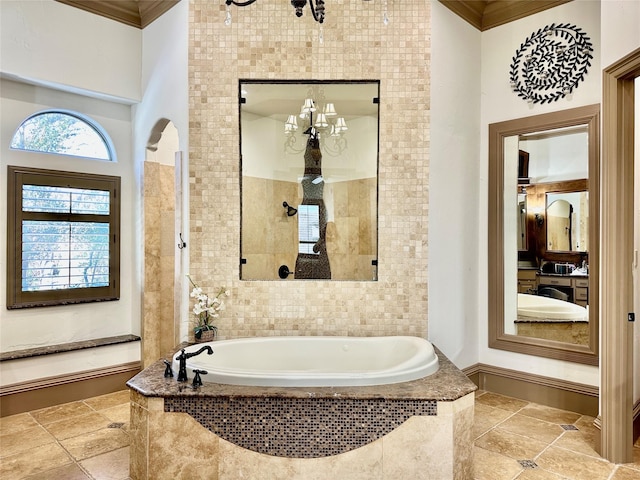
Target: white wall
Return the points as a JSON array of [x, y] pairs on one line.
[[620, 32], [95, 63], [35, 327], [57, 45], [165, 96], [454, 172], [499, 103]]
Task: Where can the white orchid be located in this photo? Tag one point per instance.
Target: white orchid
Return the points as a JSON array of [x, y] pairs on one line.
[[206, 308]]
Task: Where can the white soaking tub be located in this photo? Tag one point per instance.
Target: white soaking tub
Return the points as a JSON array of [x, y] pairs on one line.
[[299, 361], [550, 309]]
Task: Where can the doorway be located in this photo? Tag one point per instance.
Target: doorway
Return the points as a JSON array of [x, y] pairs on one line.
[[617, 259], [161, 213]]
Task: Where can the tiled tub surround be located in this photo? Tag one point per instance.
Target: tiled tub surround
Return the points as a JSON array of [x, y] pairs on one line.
[[267, 42], [419, 429]]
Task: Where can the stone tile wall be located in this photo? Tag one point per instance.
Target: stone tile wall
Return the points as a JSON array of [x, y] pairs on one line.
[[267, 41]]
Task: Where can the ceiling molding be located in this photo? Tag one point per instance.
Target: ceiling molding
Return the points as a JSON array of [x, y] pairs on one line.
[[135, 13], [486, 14]]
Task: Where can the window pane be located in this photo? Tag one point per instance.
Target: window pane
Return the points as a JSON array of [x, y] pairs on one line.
[[308, 227], [61, 133], [36, 198], [57, 255]]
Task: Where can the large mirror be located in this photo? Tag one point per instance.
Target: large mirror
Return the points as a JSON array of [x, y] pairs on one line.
[[543, 235], [309, 180]]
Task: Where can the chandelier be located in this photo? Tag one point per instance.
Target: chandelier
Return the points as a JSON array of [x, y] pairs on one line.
[[316, 7], [320, 121]]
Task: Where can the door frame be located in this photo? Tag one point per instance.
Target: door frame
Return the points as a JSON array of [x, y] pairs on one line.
[[616, 372]]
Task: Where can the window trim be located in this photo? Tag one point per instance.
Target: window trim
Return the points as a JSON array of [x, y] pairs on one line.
[[18, 176]]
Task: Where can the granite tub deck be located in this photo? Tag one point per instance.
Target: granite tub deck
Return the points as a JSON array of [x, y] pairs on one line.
[[419, 429]]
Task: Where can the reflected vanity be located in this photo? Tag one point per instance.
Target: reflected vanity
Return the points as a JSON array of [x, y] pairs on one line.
[[312, 148], [543, 254]]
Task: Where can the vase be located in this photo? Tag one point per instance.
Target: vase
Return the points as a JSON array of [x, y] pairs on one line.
[[206, 336]]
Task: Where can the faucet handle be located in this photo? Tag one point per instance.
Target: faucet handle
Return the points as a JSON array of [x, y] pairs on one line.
[[168, 372], [197, 381]]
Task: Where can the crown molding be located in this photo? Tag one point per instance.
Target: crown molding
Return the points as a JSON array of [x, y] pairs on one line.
[[135, 13], [486, 14]]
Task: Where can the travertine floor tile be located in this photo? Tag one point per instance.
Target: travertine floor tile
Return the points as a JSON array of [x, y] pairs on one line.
[[500, 401], [24, 440], [538, 474], [489, 465], [585, 424], [510, 444], [15, 423], [549, 414], [109, 466], [578, 442], [532, 428], [58, 413], [120, 413], [109, 400], [574, 465], [624, 473], [486, 417], [66, 472], [95, 443], [83, 424], [30, 462]]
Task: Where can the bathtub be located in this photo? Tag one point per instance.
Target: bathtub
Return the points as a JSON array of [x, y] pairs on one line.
[[545, 308], [299, 361]]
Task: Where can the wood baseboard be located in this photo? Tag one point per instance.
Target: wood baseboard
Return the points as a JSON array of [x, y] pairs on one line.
[[552, 392], [47, 392]]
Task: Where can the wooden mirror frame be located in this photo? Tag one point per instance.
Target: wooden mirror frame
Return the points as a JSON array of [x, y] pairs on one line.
[[586, 354]]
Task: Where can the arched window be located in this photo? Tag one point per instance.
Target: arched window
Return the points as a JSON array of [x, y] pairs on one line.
[[63, 133]]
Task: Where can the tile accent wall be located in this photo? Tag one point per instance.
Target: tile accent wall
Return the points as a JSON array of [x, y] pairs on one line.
[[267, 41], [300, 427]]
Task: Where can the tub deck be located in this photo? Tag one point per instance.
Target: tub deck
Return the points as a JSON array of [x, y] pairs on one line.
[[447, 384], [421, 427]]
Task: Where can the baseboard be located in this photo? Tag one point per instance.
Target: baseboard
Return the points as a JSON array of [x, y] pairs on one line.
[[47, 392], [548, 391]]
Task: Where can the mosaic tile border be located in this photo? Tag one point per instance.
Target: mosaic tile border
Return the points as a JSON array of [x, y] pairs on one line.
[[300, 427]]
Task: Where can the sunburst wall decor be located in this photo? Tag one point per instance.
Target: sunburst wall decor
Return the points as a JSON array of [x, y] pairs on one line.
[[550, 63]]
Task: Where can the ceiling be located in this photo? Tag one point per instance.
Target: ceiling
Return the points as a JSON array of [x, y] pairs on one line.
[[135, 13], [482, 14]]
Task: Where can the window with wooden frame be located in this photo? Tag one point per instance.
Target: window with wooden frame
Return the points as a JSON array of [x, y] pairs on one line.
[[63, 237]]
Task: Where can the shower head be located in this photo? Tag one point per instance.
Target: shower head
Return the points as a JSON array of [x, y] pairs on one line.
[[290, 210]]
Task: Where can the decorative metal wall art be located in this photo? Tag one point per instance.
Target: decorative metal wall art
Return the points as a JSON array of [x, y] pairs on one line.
[[550, 63]]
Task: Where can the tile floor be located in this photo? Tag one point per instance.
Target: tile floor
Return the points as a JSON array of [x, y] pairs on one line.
[[514, 440]]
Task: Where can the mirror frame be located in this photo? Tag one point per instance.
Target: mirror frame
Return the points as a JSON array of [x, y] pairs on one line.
[[587, 354]]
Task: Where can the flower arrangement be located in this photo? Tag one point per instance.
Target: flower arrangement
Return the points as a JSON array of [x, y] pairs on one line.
[[206, 308]]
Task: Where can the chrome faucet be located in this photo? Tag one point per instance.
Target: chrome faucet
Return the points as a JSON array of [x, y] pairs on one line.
[[182, 358]]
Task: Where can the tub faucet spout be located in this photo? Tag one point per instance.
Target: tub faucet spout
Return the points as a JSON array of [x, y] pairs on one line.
[[182, 358]]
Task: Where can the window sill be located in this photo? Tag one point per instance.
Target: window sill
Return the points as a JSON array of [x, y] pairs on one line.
[[67, 347]]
